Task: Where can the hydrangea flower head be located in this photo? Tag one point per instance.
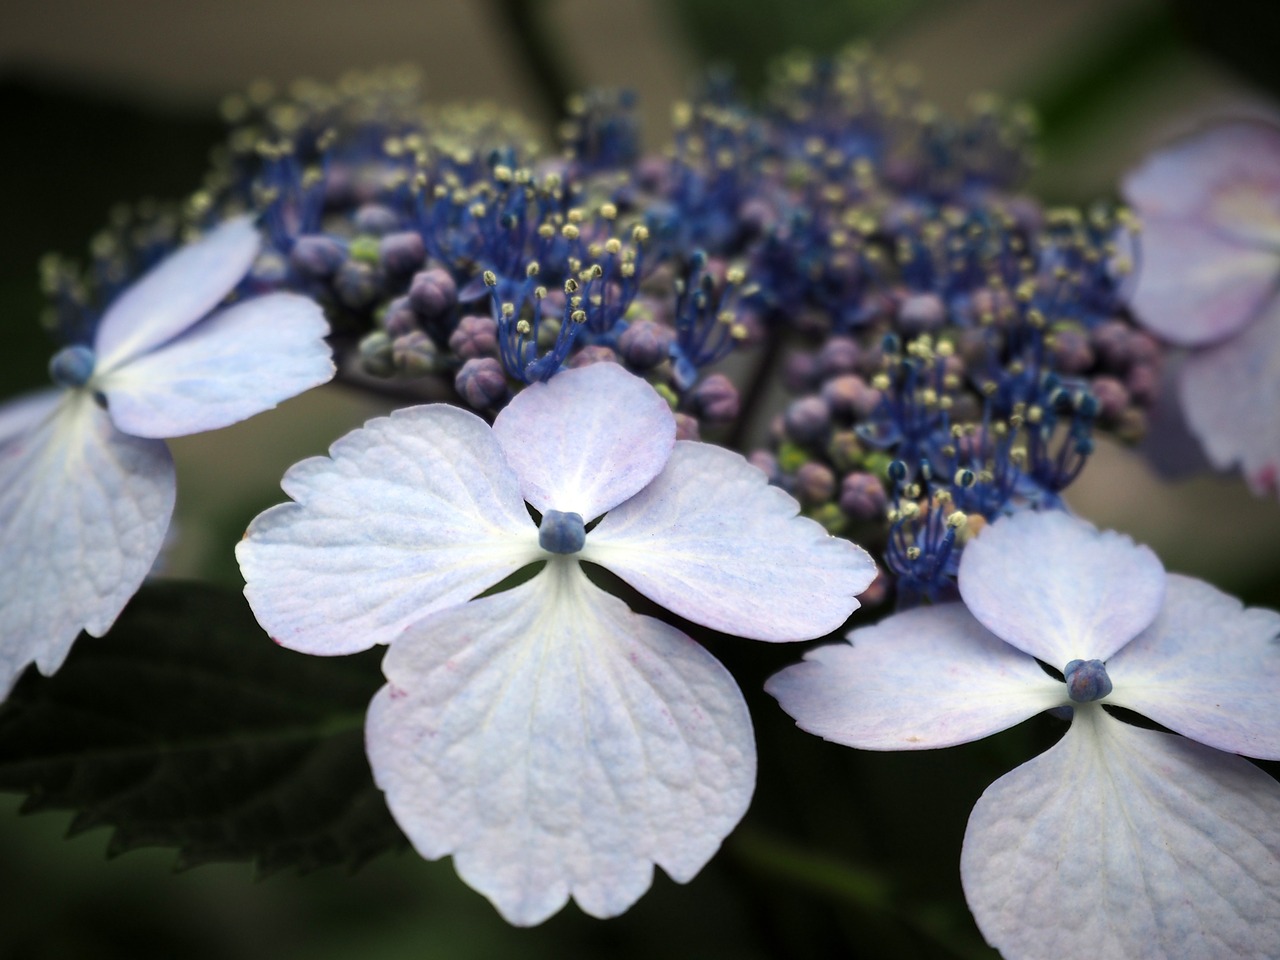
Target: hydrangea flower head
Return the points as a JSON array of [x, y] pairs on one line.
[[1119, 842], [555, 742], [1210, 262], [86, 481]]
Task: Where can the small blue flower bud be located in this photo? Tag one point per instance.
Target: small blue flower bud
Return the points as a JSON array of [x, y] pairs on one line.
[[374, 218], [356, 284], [398, 318], [401, 252], [475, 336], [715, 399], [433, 293], [561, 532], [482, 383], [807, 420], [849, 396], [645, 344], [862, 497], [72, 366], [317, 256], [838, 355], [815, 483], [1087, 680], [592, 353]]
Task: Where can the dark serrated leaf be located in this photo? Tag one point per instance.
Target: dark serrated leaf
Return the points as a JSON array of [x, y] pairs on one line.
[[187, 727]]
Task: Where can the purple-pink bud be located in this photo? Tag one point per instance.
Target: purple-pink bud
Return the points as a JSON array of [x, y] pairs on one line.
[[475, 336], [482, 383], [862, 497], [433, 293], [715, 399]]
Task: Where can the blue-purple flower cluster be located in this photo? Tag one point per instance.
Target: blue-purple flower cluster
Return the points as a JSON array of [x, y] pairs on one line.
[[950, 346]]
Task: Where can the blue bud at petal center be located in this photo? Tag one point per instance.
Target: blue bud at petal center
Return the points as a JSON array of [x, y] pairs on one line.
[[1087, 680], [72, 366], [562, 532]]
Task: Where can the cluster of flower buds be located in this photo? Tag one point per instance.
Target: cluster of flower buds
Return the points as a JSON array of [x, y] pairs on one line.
[[940, 322]]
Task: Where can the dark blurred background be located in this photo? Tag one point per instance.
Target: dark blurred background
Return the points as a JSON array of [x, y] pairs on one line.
[[115, 100]]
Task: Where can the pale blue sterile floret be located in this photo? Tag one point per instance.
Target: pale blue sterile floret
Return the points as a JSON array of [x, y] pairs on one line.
[[552, 741], [86, 481], [1183, 858]]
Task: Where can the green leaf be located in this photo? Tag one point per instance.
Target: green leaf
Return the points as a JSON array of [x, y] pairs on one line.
[[186, 727]]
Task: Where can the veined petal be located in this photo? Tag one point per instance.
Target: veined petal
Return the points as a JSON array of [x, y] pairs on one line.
[[1231, 399], [559, 745], [174, 294], [1196, 286], [710, 539], [1126, 844], [1058, 588], [587, 439], [83, 513], [408, 514], [1226, 177], [928, 677], [238, 362], [1207, 668], [28, 411]]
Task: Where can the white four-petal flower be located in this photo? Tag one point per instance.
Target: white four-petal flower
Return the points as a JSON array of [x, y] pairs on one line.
[[555, 742], [1119, 843], [1209, 279], [86, 482]]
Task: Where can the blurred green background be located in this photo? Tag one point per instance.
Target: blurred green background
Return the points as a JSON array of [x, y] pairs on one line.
[[843, 854]]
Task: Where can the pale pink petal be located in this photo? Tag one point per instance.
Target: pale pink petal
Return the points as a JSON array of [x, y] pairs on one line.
[[1226, 176], [177, 292], [587, 439], [559, 745], [83, 512], [1196, 286], [1126, 844], [236, 363], [1231, 399], [409, 514], [929, 677], [711, 540], [1207, 668], [1058, 588]]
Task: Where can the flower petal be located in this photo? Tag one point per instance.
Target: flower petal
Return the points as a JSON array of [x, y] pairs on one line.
[[408, 514], [713, 541], [83, 513], [1226, 177], [559, 745], [587, 439], [1058, 588], [28, 411], [1126, 844], [1231, 399], [1207, 668], [177, 292], [1196, 286], [929, 677], [238, 362]]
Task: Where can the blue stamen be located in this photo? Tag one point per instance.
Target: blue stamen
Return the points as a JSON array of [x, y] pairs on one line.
[[561, 532], [1087, 680]]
